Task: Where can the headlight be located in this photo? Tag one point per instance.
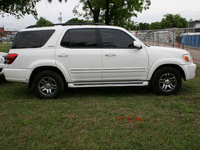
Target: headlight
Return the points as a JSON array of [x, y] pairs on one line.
[[187, 58]]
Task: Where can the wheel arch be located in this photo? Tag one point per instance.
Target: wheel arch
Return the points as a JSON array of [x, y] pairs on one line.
[[175, 66], [37, 70]]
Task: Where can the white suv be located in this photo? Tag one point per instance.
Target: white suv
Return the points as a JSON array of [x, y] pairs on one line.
[[93, 56]]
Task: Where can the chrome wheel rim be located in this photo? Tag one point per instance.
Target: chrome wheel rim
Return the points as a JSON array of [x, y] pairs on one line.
[[167, 82], [47, 86]]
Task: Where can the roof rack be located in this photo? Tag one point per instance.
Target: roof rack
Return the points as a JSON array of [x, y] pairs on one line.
[[63, 24]]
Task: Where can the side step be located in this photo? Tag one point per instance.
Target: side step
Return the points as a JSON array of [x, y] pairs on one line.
[[107, 84]]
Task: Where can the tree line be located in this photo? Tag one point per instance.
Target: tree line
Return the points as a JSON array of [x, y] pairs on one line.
[[169, 21], [110, 12]]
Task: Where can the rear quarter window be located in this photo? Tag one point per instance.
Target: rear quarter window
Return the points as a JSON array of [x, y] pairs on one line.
[[31, 39]]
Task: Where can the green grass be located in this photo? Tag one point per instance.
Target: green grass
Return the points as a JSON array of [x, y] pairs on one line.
[[87, 118], [4, 47]]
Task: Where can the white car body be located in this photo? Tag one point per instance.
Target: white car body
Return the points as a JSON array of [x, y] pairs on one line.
[[2, 64], [98, 67]]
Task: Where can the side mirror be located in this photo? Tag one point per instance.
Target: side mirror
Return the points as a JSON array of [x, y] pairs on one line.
[[137, 45]]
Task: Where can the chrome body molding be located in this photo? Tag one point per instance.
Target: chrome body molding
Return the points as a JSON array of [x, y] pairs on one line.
[[107, 84]]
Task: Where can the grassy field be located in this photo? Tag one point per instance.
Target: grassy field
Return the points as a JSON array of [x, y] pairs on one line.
[[100, 118], [4, 47]]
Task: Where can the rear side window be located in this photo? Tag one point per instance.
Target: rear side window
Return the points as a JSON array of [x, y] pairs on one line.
[[80, 38], [31, 39]]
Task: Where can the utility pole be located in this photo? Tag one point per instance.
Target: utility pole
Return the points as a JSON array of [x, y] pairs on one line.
[[60, 18]]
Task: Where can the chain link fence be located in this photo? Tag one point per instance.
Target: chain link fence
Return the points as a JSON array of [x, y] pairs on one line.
[[189, 39]]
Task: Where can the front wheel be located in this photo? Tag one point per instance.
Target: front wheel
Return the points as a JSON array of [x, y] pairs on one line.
[[48, 85], [166, 81]]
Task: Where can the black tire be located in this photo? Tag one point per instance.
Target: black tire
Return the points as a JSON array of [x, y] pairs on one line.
[[48, 85], [166, 81]]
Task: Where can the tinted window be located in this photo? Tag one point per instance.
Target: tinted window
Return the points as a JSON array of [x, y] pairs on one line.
[[80, 38], [65, 41], [115, 39], [32, 39]]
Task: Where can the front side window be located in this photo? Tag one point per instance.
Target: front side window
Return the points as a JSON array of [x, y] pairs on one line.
[[112, 38], [80, 38], [32, 39]]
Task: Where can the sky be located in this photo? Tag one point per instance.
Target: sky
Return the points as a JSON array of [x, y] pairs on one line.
[[188, 9]]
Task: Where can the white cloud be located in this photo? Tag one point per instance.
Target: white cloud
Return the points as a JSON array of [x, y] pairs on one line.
[[44, 9], [51, 11]]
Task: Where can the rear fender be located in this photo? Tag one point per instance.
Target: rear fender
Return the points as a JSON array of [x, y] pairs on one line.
[[47, 63]]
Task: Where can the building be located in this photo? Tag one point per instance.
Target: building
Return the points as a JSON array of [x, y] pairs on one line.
[[194, 24], [7, 33]]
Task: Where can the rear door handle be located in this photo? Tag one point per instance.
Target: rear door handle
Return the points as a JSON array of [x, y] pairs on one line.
[[110, 55], [62, 55]]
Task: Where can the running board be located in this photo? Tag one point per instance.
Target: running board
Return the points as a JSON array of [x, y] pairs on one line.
[[107, 84]]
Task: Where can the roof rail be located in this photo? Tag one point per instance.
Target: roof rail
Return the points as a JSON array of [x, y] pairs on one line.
[[63, 24]]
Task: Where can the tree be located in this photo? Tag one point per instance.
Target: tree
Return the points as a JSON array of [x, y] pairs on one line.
[[129, 25], [144, 26], [115, 12], [76, 20], [155, 25], [43, 21], [172, 21], [19, 8]]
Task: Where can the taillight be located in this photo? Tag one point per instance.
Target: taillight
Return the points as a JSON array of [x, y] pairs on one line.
[[11, 58]]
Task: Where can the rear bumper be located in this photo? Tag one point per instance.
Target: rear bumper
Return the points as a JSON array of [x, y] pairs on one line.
[[1, 69], [17, 75]]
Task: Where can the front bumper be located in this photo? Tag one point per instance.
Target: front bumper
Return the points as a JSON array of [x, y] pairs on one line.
[[189, 71]]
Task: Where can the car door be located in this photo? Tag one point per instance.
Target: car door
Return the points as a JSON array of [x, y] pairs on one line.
[[80, 55], [121, 61]]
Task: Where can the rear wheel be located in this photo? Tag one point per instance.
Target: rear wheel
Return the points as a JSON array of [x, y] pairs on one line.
[[48, 85], [166, 81]]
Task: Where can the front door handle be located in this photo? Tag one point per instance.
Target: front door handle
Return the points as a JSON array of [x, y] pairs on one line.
[[110, 55], [62, 55]]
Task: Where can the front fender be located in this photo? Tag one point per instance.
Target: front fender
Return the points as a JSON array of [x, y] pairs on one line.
[[164, 61]]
